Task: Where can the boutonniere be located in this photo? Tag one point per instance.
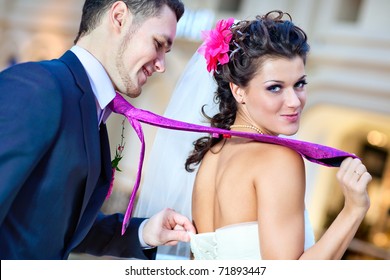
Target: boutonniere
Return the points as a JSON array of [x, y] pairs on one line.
[[118, 156], [119, 149]]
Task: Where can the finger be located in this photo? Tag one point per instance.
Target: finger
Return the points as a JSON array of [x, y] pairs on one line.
[[346, 162], [365, 178], [180, 235], [172, 237], [184, 222], [355, 163], [179, 227], [351, 170], [171, 243], [343, 167], [360, 169]]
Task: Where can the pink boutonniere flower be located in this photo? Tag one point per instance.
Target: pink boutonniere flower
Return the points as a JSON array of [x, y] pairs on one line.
[[215, 48]]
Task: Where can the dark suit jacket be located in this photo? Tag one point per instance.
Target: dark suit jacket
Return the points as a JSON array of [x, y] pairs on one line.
[[55, 167]]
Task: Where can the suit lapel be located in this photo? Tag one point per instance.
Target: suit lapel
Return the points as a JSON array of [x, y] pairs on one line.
[[92, 145], [105, 152], [90, 125]]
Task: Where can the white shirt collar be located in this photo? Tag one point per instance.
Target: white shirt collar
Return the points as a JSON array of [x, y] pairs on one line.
[[100, 82]]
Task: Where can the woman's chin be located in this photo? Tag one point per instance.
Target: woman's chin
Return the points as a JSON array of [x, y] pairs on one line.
[[289, 132]]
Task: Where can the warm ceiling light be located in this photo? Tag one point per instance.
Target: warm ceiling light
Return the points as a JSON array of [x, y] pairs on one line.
[[380, 239], [376, 138]]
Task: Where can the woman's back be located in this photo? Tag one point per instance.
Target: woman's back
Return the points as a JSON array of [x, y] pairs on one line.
[[234, 184], [223, 192]]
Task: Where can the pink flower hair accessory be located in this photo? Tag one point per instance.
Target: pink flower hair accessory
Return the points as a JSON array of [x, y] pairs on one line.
[[215, 47]]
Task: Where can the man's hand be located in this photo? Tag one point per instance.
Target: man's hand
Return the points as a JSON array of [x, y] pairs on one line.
[[167, 228]]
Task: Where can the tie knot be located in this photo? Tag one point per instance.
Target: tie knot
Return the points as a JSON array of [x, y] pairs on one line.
[[119, 105]]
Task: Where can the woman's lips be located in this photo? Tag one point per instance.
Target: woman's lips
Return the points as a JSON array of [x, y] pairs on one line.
[[291, 117]]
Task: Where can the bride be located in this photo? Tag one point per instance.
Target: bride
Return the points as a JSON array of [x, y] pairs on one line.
[[248, 197]]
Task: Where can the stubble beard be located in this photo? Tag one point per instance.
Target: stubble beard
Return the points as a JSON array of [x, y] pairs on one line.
[[130, 87]]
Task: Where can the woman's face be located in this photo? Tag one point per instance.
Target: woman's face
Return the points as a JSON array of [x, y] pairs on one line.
[[275, 98]]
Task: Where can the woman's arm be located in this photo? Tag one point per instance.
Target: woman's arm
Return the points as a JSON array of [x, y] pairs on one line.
[[353, 178], [280, 191]]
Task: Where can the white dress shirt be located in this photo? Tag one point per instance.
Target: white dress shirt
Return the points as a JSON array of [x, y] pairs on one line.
[[100, 82]]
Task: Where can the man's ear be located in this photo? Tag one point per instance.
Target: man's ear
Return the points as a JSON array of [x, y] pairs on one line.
[[119, 14], [238, 93]]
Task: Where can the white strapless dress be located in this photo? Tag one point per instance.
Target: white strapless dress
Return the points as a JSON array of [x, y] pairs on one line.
[[236, 242]]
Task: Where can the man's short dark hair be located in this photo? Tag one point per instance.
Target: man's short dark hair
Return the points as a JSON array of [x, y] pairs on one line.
[[93, 11]]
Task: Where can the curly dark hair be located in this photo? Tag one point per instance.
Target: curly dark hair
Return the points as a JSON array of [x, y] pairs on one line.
[[142, 9], [253, 42]]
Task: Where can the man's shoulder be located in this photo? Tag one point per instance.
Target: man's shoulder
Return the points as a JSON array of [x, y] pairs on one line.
[[32, 70]]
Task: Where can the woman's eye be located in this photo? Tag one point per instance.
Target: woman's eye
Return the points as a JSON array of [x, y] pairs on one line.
[[301, 84], [274, 88]]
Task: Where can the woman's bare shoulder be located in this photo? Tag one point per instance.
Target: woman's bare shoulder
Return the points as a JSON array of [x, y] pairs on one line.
[[275, 165], [272, 154]]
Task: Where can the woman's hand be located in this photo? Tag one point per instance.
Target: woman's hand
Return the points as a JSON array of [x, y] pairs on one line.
[[354, 178]]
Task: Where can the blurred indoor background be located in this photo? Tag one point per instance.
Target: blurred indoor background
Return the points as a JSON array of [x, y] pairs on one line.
[[348, 102]]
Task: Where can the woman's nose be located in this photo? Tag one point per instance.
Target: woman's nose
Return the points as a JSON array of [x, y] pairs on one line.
[[292, 99]]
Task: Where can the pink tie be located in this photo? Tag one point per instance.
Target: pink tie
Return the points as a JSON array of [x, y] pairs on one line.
[[313, 152]]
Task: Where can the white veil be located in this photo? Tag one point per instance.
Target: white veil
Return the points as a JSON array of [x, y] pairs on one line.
[[166, 182]]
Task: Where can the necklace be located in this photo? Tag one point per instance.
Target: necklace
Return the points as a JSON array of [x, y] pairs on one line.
[[258, 130]]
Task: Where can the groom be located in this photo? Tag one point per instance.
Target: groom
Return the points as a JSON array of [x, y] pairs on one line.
[[54, 154]]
